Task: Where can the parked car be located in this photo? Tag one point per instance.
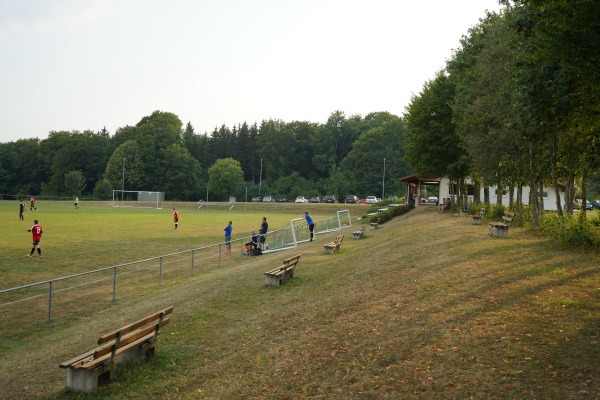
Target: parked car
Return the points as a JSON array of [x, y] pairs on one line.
[[371, 200], [596, 204], [300, 199], [362, 201], [267, 199], [329, 199], [282, 200], [351, 199], [315, 199], [588, 206], [432, 199], [256, 199]]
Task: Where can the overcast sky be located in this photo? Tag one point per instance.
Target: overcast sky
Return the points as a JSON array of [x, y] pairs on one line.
[[88, 64]]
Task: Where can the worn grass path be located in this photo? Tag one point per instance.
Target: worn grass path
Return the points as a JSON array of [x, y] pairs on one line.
[[426, 307]]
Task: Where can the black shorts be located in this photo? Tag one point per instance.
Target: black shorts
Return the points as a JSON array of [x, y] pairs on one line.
[[36, 242], [262, 238]]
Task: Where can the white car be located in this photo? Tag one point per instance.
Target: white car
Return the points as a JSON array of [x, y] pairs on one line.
[[301, 199], [371, 200]]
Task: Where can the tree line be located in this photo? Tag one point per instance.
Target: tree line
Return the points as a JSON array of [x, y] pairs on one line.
[[517, 104], [343, 156]]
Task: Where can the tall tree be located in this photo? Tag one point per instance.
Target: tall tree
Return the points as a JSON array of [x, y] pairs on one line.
[[225, 177]]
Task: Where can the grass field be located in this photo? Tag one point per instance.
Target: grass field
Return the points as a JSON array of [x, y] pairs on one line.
[[425, 307]]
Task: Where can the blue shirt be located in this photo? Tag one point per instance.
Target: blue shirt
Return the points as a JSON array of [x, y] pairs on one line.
[[308, 219], [228, 230]]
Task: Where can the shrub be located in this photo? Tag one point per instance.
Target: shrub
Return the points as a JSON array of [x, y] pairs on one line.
[[572, 230], [392, 212]]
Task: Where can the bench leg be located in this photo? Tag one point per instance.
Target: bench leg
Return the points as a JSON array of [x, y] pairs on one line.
[[271, 280], [80, 380]]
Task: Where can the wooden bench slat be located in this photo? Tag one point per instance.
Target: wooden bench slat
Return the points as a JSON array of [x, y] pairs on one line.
[[135, 325], [122, 349]]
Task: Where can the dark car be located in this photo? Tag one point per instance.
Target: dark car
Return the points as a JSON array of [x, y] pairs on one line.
[[596, 204], [315, 199], [329, 199], [281, 200], [351, 199]]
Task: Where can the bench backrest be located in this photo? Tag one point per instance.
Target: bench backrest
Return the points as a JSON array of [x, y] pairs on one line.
[[149, 320], [125, 339], [339, 239], [292, 261], [508, 217]]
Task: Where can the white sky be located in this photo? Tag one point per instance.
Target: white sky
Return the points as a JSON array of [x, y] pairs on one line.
[[85, 64]]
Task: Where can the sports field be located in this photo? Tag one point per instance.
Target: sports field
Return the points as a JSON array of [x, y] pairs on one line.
[[425, 307], [97, 235]]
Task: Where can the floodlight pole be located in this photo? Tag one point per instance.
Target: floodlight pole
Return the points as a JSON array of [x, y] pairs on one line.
[[260, 178], [383, 190], [123, 188]]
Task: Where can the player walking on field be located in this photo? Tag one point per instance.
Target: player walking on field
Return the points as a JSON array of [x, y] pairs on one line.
[[36, 232], [175, 217], [32, 204], [21, 209]]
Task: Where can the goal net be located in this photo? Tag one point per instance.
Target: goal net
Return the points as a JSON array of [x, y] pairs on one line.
[[135, 198], [298, 231]]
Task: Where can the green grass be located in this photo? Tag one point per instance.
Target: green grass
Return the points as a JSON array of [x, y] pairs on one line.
[[427, 306]]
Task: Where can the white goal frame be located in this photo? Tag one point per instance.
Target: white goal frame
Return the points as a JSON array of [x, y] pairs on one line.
[[155, 199]]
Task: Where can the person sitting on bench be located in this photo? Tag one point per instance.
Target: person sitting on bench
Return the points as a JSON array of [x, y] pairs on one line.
[[253, 244], [445, 205]]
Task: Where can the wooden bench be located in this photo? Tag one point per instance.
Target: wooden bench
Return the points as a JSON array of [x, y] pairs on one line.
[[360, 233], [334, 246], [275, 277], [476, 219], [135, 342], [500, 229]]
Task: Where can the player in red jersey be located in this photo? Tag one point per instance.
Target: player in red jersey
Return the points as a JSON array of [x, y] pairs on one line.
[[36, 232], [175, 217], [32, 204]]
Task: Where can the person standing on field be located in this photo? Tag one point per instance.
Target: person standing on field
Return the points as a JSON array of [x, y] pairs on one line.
[[36, 232], [32, 204], [76, 201], [175, 217], [21, 209], [264, 228], [311, 225], [228, 230]]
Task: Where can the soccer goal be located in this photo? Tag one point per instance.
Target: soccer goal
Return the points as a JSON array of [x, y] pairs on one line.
[[136, 198]]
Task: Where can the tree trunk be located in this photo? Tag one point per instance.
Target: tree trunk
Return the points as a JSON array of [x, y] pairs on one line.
[[532, 188], [486, 195], [520, 203], [584, 175], [570, 192], [555, 175]]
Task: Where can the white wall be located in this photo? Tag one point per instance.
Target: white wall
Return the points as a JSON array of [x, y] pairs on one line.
[[549, 199]]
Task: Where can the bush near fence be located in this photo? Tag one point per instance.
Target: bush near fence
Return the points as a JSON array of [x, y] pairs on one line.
[[392, 212]]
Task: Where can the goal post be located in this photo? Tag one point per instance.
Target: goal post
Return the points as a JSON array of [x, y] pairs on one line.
[[138, 198]]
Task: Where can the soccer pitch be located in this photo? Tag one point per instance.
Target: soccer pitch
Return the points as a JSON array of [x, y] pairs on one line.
[[97, 235]]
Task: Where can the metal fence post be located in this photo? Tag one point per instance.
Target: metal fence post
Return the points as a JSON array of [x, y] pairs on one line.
[[114, 284], [49, 301], [192, 271], [160, 272], [219, 254]]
